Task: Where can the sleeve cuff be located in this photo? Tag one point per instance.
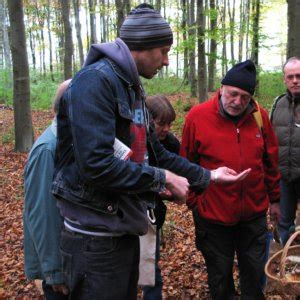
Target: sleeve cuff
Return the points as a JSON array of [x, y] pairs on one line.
[[56, 277]]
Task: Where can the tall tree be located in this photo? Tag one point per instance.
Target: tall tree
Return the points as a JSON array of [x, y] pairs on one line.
[[231, 14], [78, 30], [21, 90], [212, 58], [121, 5], [192, 54], [184, 37], [224, 38], [255, 30], [65, 5], [202, 73], [4, 43], [48, 9], [93, 21], [293, 45]]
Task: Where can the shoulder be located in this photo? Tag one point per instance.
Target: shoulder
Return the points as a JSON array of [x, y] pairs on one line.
[[45, 143], [171, 143], [201, 109]]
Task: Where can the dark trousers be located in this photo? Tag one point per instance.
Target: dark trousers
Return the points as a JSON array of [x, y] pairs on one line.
[[219, 243], [105, 268], [50, 294]]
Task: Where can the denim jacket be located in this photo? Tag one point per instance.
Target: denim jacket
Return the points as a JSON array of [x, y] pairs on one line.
[[87, 172]]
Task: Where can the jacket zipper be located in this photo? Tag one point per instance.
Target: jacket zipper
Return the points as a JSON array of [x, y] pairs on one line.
[[291, 129], [241, 196]]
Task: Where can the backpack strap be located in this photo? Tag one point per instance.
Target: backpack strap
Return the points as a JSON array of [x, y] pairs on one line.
[[258, 118], [274, 105]]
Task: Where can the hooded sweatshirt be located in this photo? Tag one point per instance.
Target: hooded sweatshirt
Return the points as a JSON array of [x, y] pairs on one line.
[[134, 216]]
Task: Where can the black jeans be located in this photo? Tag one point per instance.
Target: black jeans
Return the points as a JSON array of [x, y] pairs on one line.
[[219, 243], [105, 268]]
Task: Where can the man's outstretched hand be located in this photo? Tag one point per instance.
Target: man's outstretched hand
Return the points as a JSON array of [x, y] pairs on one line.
[[227, 175]]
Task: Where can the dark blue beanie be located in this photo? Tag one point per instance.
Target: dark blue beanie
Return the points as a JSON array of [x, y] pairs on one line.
[[242, 75]]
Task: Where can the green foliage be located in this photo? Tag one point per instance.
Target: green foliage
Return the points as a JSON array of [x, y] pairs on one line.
[[166, 85], [270, 86], [8, 136], [5, 86], [42, 89]]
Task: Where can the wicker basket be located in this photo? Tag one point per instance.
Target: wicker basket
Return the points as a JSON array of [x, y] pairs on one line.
[[287, 284]]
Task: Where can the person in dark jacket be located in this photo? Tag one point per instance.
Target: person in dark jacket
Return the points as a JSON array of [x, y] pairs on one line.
[[231, 219], [162, 115], [285, 117], [42, 222], [109, 163]]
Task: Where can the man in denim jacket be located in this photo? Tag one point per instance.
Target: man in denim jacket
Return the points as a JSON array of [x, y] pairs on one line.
[[102, 197]]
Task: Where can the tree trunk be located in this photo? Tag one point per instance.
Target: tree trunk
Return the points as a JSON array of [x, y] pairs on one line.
[[255, 30], [224, 39], [4, 37], [92, 22], [120, 7], [232, 29], [192, 59], [68, 39], [293, 45], [213, 46], [184, 38], [202, 73], [22, 110], [50, 40], [78, 30], [255, 38]]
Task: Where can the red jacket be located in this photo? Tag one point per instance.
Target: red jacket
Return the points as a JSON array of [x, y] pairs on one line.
[[213, 140]]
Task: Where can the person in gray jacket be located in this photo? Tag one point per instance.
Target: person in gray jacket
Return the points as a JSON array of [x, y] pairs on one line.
[[41, 219], [285, 117]]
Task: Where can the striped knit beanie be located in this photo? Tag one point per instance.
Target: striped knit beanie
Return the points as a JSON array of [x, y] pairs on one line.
[[144, 28]]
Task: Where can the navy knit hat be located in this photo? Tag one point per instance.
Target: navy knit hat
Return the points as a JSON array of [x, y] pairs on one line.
[[144, 28], [242, 75]]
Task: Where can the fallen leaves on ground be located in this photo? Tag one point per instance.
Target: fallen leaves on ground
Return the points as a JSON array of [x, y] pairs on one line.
[[183, 267]]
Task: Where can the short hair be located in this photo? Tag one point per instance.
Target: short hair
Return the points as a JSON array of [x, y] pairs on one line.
[[160, 108], [59, 92], [293, 58]]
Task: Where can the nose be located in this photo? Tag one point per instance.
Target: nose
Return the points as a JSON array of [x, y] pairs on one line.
[[166, 127], [165, 61]]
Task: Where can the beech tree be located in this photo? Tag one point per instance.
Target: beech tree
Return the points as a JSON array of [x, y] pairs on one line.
[[293, 45], [21, 88]]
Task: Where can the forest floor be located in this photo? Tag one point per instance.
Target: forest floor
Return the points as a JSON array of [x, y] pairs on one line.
[[183, 267]]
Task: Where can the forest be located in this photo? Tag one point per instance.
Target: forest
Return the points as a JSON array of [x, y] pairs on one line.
[[44, 42]]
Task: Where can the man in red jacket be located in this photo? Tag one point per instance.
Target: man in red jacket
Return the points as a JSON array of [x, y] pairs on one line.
[[231, 218]]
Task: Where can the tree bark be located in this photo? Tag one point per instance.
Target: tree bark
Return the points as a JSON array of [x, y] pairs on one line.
[[184, 38], [192, 54], [213, 46], [92, 22], [202, 73], [4, 37], [68, 39], [21, 90], [231, 14], [78, 30], [50, 40], [293, 45]]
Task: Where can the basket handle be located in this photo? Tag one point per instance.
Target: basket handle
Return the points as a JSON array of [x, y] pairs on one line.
[[285, 251]]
